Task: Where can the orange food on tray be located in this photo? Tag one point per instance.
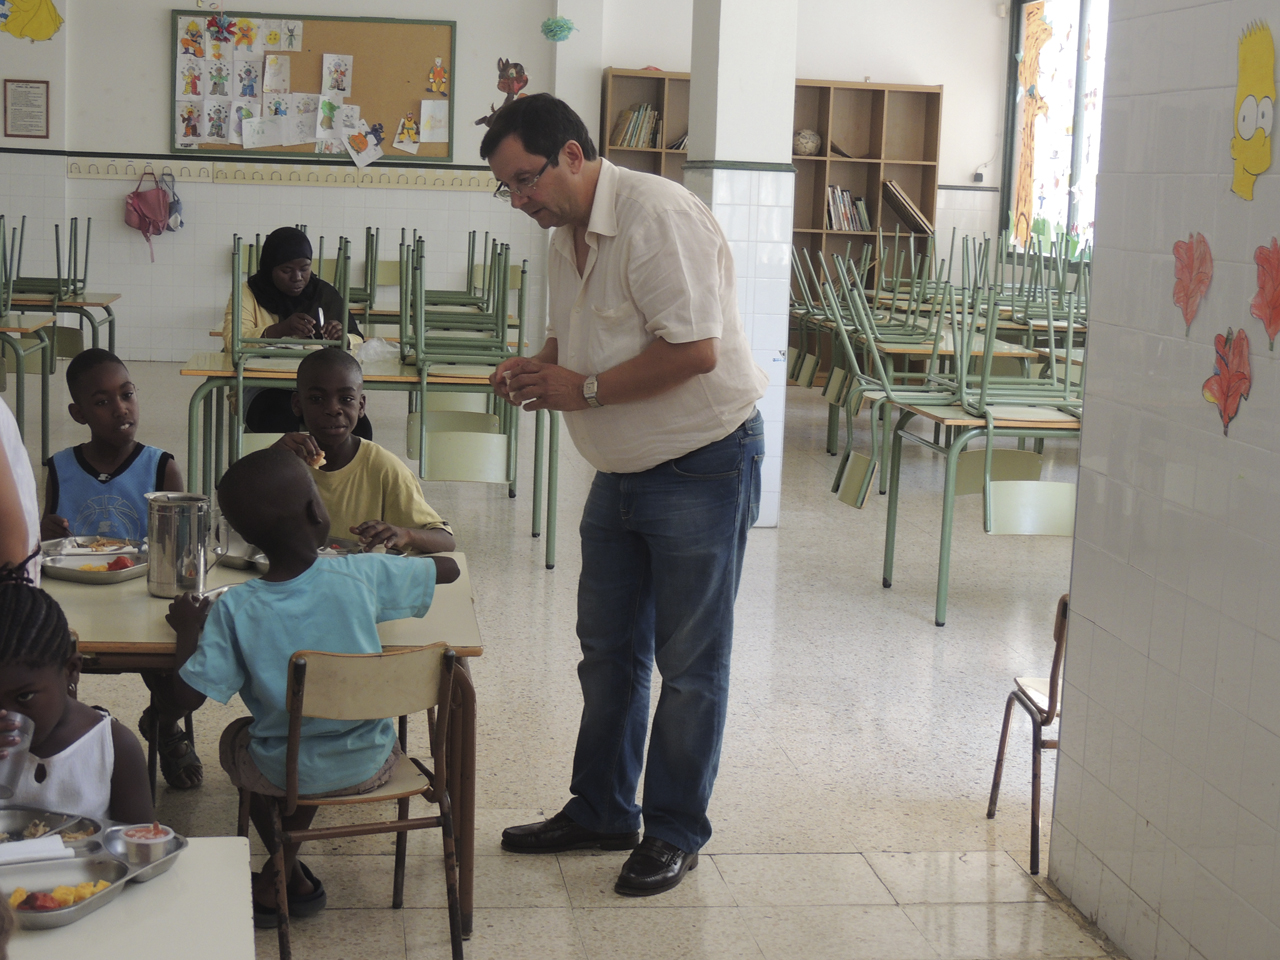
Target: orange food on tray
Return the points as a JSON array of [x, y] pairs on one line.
[[57, 898], [120, 563]]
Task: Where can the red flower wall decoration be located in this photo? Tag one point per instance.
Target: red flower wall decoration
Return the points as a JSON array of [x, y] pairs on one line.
[[1231, 378], [1193, 270], [1266, 302]]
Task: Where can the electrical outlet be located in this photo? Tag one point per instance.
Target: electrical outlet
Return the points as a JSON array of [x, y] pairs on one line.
[[977, 178]]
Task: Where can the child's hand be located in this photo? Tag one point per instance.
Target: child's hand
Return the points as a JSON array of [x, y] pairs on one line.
[[8, 736], [379, 533], [54, 527], [187, 614], [446, 569], [332, 330], [302, 444]]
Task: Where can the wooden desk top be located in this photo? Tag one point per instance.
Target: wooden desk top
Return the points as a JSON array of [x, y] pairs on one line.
[[88, 300], [1007, 416], [202, 903], [947, 348], [212, 364], [1077, 355], [30, 327], [123, 618]]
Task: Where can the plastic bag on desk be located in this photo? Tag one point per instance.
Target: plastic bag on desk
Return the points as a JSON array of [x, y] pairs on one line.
[[377, 349]]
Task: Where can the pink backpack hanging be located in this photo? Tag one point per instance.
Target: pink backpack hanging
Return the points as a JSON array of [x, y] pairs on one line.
[[147, 211]]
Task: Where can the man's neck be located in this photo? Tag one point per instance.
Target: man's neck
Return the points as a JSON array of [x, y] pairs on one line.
[[585, 196]]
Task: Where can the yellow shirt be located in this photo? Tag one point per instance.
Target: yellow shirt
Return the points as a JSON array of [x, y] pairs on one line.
[[375, 485], [254, 319]]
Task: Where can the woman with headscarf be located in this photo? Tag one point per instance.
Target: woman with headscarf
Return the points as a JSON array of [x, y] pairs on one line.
[[285, 299]]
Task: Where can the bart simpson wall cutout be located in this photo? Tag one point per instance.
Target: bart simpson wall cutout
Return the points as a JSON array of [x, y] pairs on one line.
[[1193, 272], [1255, 108], [1266, 302], [31, 19], [1231, 378]]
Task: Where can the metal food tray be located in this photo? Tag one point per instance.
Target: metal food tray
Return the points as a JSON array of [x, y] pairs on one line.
[[68, 568], [97, 857], [81, 547]]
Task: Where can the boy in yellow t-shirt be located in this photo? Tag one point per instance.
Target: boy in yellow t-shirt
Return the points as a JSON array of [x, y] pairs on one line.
[[367, 490]]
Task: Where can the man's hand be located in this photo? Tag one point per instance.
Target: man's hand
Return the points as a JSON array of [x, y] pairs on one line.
[[303, 445], [379, 533], [332, 330], [546, 386], [54, 527]]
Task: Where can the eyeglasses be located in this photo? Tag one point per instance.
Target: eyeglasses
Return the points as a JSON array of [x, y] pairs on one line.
[[522, 188]]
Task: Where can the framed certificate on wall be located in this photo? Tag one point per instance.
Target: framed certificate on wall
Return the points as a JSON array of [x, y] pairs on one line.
[[26, 109]]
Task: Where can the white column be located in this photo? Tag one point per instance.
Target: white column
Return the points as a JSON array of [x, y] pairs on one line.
[[741, 102]]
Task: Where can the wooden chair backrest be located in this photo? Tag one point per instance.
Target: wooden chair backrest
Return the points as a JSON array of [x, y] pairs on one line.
[[344, 686], [1059, 653]]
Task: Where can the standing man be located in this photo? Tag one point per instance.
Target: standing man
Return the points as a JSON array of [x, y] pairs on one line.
[[647, 358]]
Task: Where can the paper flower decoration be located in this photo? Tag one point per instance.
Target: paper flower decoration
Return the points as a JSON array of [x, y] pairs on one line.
[[1266, 302], [557, 29], [1231, 377], [1193, 270]]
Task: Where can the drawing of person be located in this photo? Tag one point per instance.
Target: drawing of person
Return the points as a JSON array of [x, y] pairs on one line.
[[246, 33], [248, 81], [31, 19], [328, 109], [438, 77], [408, 130], [241, 114], [191, 40], [190, 126], [291, 36], [218, 81], [191, 80], [278, 109], [338, 76], [217, 124], [375, 134]]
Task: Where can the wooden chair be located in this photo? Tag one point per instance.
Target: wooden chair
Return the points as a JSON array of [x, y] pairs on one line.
[[338, 686], [1040, 698]]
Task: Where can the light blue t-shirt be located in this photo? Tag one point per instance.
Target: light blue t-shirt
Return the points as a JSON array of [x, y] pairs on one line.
[[253, 630]]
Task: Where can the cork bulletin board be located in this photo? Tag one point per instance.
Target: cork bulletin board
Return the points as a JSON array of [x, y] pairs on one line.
[[400, 75]]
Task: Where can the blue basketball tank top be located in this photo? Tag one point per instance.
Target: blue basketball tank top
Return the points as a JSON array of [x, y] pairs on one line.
[[114, 507]]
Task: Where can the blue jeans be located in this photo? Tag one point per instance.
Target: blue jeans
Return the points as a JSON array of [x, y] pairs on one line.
[[661, 559]]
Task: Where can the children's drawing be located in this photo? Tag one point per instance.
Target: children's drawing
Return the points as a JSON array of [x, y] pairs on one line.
[[327, 125], [220, 50], [438, 78], [1266, 302], [246, 36], [306, 105], [330, 146], [1192, 271], [191, 40], [435, 121], [275, 74], [1255, 107], [363, 146], [291, 35], [335, 73], [1231, 378], [248, 78], [191, 80], [190, 121], [406, 139], [270, 35], [241, 110], [348, 116], [260, 132], [511, 80], [219, 75], [277, 106], [31, 19], [221, 28], [217, 115]]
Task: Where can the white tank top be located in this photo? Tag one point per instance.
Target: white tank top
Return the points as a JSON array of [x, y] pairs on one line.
[[77, 780]]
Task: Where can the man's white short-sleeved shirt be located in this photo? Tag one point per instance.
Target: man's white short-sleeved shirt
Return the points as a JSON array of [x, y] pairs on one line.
[[659, 266]]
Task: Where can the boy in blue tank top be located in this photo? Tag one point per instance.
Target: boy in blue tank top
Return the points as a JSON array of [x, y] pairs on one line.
[[99, 488]]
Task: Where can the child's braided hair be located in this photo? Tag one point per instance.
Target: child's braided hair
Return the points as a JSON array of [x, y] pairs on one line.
[[33, 628]]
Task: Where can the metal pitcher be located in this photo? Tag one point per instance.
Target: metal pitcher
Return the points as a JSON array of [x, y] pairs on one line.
[[184, 540]]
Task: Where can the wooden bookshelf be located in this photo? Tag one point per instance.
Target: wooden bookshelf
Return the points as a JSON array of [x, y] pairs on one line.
[[669, 94]]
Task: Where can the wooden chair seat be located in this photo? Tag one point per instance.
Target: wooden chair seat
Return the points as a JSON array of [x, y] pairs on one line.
[[406, 781]]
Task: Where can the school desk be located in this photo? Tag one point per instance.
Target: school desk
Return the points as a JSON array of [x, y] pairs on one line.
[[122, 629], [81, 306], [11, 335]]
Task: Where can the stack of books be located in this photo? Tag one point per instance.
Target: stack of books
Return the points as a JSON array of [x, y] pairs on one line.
[[638, 126], [678, 143], [845, 211], [905, 208]]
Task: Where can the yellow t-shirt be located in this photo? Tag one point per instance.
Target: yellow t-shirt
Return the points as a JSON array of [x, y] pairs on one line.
[[375, 485]]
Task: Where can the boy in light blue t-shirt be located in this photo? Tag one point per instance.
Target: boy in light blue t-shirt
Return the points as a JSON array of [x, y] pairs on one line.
[[305, 602]]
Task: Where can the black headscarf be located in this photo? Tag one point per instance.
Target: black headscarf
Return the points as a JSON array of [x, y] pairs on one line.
[[283, 246]]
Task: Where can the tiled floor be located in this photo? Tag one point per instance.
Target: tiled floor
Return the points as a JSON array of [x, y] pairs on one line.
[[850, 809]]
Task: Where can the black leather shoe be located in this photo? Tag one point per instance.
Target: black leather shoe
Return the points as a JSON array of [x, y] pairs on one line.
[[562, 833], [654, 867]]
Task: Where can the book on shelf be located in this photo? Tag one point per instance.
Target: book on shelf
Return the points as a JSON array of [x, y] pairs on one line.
[[845, 211], [679, 142], [637, 126], [905, 207]]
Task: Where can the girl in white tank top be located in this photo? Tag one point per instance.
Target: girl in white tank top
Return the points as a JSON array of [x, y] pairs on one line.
[[80, 761]]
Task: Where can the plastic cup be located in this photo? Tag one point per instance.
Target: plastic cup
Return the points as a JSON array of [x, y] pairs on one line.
[[146, 842], [11, 767]]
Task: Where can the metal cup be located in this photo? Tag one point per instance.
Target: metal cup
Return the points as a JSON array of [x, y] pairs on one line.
[[181, 546], [11, 767]]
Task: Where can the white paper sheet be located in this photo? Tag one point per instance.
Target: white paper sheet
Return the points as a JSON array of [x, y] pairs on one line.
[[435, 121], [193, 43], [335, 74], [275, 74], [406, 139], [248, 39], [241, 110], [217, 121], [218, 77], [248, 81], [277, 105], [271, 35], [329, 118], [363, 147], [189, 123], [262, 132], [190, 83], [48, 847], [290, 34]]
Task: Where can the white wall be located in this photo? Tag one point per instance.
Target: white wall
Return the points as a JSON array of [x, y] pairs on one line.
[[1167, 807], [45, 60]]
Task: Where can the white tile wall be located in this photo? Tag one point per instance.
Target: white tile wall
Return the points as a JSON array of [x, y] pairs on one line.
[[1167, 803], [754, 208], [168, 307], [971, 213]]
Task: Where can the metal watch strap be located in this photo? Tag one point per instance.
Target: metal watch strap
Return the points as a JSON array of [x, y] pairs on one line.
[[589, 392]]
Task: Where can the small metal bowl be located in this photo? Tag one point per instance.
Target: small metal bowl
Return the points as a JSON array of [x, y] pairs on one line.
[[143, 850]]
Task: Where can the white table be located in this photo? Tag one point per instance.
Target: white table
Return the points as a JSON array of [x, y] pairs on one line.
[[201, 909]]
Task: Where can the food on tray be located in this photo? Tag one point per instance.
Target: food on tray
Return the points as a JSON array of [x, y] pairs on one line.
[[35, 829], [317, 461], [151, 831], [105, 543], [71, 836], [57, 898], [93, 567], [120, 563]]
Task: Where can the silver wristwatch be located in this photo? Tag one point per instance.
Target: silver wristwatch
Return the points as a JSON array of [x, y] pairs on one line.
[[589, 392]]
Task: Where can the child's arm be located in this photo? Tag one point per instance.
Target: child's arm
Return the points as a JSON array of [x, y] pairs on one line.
[[52, 526], [373, 533], [173, 477], [130, 782], [186, 615], [446, 569]]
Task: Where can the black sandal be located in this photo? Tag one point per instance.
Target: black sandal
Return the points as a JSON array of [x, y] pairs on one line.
[[300, 907], [176, 769]]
